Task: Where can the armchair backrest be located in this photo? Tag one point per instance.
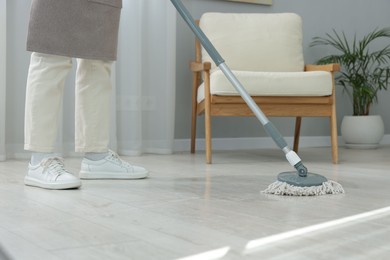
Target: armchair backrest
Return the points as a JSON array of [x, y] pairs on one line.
[[255, 41]]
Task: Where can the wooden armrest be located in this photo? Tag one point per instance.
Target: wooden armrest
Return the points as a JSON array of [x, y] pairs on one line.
[[326, 67], [197, 66]]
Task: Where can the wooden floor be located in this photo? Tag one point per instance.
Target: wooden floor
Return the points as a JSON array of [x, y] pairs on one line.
[[191, 210]]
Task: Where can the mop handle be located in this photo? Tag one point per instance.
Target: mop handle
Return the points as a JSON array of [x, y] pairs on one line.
[[214, 54], [269, 127]]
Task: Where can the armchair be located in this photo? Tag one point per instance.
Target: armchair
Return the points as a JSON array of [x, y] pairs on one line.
[[265, 53]]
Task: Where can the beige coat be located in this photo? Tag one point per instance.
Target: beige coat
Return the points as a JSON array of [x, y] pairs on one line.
[[75, 28]]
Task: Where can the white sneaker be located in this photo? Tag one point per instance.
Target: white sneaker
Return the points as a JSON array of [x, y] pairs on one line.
[[111, 167], [51, 174]]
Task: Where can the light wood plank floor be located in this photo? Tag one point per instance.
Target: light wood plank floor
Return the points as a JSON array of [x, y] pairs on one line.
[[188, 209]]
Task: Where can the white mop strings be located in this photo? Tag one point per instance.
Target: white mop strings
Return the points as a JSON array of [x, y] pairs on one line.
[[283, 188]]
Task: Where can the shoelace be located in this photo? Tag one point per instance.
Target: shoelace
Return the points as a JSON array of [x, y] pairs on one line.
[[55, 165], [115, 157]]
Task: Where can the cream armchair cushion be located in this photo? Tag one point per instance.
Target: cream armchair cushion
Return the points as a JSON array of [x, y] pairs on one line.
[[314, 83], [255, 42]]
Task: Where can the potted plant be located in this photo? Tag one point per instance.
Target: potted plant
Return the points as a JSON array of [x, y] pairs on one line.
[[363, 74]]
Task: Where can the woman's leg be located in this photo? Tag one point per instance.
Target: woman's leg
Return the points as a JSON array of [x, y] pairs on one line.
[[45, 85], [93, 105]]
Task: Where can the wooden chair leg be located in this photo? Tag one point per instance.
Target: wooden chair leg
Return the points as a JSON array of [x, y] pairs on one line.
[[193, 133], [333, 129], [208, 137], [195, 83], [297, 132], [207, 115], [333, 139]]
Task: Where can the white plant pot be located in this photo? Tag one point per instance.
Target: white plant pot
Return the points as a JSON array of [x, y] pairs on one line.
[[362, 132]]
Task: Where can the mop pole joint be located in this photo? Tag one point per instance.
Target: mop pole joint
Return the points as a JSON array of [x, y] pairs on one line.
[[301, 169], [294, 160]]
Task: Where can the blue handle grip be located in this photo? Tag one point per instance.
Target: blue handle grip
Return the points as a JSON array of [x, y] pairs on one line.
[[198, 32]]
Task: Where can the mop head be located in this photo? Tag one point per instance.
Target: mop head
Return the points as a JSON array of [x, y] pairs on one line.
[[285, 189]]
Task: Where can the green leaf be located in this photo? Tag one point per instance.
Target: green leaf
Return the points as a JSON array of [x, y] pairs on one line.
[[363, 72]]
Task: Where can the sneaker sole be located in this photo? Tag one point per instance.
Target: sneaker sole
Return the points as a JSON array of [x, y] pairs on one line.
[[112, 175], [51, 186]]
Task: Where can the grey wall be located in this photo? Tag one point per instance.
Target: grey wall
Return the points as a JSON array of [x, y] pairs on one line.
[[319, 17]]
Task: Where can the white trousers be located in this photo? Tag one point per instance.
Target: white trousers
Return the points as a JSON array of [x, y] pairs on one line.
[[44, 93]]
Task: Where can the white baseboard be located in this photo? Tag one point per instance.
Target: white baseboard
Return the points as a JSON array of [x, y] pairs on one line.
[[15, 151], [225, 144]]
